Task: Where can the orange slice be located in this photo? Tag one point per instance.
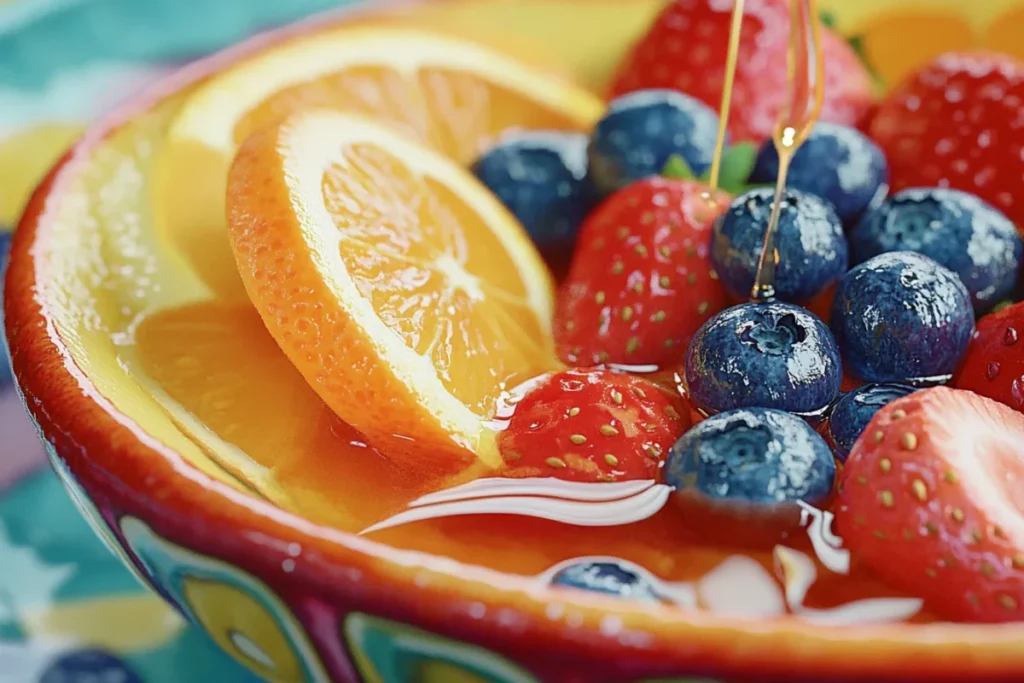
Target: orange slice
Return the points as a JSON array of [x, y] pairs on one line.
[[407, 296], [901, 41], [453, 95], [602, 31], [1003, 34]]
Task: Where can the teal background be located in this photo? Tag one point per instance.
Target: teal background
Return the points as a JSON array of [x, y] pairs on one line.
[[49, 556]]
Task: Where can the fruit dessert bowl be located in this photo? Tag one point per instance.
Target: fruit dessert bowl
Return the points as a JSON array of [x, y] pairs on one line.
[[386, 351]]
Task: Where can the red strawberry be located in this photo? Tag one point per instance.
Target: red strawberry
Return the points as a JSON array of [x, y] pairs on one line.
[[592, 425], [959, 122], [994, 363], [640, 283], [932, 499], [686, 50]]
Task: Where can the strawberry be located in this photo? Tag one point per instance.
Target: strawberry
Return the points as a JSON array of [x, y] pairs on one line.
[[994, 363], [640, 283], [959, 122], [686, 50], [592, 425], [932, 499]]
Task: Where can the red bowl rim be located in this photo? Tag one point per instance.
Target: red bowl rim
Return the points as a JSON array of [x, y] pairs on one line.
[[440, 592]]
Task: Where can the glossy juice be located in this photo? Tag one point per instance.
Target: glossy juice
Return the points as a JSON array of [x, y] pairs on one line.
[[216, 363]]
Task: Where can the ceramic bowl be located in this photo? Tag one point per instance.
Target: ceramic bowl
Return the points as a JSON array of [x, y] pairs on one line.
[[295, 601]]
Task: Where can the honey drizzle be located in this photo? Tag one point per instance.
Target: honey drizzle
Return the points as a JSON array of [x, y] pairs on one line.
[[723, 113], [795, 122]]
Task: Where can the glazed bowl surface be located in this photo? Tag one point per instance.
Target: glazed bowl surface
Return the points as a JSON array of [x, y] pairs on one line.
[[297, 601]]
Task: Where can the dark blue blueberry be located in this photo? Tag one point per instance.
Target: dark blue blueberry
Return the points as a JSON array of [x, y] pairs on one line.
[[5, 366], [810, 242], [901, 316], [764, 355], [752, 455], [956, 229], [88, 666], [854, 410], [540, 176], [836, 163], [641, 130], [607, 577]]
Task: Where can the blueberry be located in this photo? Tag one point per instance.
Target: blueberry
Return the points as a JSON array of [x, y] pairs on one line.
[[642, 129], [812, 251], [956, 229], [540, 176], [836, 163], [764, 355], [609, 577], [88, 666], [901, 316], [752, 456], [852, 412]]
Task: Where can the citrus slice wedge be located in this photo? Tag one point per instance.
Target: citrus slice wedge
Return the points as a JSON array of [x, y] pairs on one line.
[[404, 292], [451, 94]]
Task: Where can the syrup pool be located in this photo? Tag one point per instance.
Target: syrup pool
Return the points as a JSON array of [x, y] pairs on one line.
[[216, 363], [212, 366]]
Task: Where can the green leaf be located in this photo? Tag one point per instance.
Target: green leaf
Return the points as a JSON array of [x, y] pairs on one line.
[[737, 163], [827, 18], [676, 168], [1002, 306]]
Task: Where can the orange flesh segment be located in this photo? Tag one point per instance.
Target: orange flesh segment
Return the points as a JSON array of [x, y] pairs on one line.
[[410, 288], [453, 95], [455, 111], [433, 303]]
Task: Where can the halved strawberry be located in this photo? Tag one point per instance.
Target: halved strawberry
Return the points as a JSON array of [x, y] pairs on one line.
[[994, 363], [592, 425], [932, 499], [641, 283]]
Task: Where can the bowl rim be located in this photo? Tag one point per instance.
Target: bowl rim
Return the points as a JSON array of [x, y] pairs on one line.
[[435, 589]]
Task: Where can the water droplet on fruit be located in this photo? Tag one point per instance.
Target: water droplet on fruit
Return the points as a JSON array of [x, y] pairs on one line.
[[984, 176], [1010, 336], [1017, 392], [992, 371]]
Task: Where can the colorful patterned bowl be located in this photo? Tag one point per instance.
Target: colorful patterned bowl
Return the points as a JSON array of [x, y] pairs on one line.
[[298, 602]]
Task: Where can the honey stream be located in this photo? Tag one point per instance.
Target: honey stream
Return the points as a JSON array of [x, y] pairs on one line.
[[805, 67]]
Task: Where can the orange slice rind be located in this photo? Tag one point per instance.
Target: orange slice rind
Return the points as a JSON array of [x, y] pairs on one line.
[[408, 297], [451, 94]]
